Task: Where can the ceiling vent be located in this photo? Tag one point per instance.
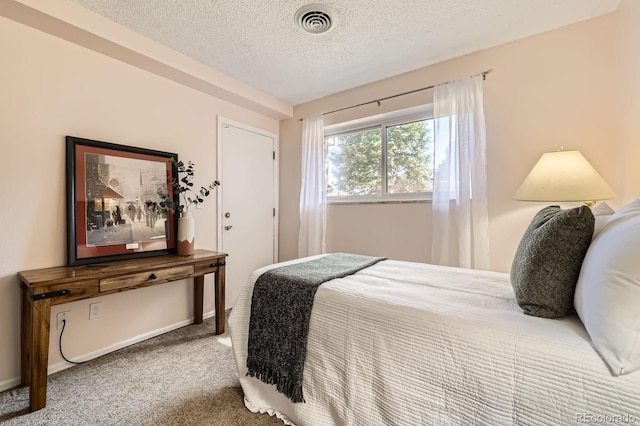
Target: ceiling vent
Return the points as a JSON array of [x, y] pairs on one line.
[[315, 18]]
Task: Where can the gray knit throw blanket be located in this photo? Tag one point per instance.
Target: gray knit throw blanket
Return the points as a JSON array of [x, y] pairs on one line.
[[280, 312]]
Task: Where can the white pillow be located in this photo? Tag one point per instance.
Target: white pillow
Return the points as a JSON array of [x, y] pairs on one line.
[[607, 296], [602, 212]]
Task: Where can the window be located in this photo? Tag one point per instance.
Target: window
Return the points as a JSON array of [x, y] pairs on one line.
[[388, 160]]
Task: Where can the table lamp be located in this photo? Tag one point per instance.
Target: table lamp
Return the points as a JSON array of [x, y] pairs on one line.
[[564, 176]]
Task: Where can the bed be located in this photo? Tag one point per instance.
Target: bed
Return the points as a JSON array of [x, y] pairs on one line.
[[402, 343]]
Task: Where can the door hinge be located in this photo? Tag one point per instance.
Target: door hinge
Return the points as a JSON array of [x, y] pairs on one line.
[[274, 155], [274, 212]]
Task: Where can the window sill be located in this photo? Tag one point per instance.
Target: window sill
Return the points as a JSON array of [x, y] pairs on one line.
[[379, 201]]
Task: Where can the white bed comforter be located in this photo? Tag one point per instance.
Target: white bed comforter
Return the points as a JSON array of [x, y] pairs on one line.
[[403, 343]]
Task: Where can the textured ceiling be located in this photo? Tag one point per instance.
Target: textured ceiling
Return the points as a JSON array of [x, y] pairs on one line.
[[258, 42]]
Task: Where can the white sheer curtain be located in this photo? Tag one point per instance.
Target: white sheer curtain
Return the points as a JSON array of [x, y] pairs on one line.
[[460, 218], [313, 194]]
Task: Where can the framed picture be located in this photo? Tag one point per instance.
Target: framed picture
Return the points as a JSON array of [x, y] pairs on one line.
[[113, 202]]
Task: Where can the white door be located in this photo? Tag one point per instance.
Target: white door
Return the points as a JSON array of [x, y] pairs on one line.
[[247, 172]]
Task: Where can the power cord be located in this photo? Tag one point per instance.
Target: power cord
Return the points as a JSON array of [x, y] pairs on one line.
[[64, 323]]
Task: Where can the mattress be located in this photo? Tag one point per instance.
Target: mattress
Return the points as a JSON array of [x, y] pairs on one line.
[[403, 343]]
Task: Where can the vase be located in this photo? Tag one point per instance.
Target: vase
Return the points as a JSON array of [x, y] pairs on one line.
[[186, 232]]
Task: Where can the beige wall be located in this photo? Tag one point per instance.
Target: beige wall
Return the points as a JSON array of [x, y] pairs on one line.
[[627, 80], [557, 88], [370, 228], [50, 88]]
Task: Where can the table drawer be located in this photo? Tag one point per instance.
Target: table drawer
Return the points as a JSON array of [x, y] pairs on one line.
[[208, 266], [149, 277]]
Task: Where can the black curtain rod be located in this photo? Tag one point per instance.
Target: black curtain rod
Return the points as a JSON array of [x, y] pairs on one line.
[[484, 77]]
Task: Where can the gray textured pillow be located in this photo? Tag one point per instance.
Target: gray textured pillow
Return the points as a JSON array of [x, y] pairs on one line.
[[547, 263]]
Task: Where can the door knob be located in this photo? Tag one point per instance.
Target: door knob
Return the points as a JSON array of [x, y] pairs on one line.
[[228, 227]]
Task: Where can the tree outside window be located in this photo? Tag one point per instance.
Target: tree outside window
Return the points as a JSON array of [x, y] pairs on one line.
[[388, 161]]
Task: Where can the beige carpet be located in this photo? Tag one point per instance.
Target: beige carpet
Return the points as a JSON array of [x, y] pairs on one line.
[[184, 377]]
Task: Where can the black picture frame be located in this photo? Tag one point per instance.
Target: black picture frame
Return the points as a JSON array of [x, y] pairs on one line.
[[113, 201]]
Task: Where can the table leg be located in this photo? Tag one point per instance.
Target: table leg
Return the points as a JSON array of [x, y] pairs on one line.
[[198, 299], [26, 337], [41, 316], [218, 289]]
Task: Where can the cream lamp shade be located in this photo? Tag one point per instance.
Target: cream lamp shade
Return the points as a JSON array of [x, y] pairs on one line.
[[564, 176]]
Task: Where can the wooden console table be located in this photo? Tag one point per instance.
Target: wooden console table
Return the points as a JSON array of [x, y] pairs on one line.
[[43, 288]]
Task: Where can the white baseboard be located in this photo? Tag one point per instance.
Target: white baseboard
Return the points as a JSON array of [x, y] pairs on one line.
[[12, 383], [9, 384]]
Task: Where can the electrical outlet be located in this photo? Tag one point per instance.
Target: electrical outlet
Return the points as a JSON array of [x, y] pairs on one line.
[[62, 316], [95, 310]]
